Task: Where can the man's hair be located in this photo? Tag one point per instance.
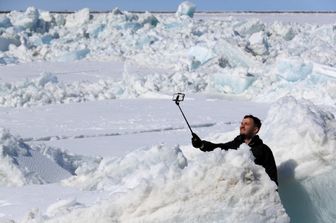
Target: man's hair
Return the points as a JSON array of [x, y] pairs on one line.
[[256, 120]]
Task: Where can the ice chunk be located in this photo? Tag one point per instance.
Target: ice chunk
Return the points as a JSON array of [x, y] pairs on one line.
[[26, 20], [46, 16], [47, 78], [145, 40], [8, 60], [293, 69], [232, 81], [285, 31], [6, 41], [324, 70], [62, 207], [199, 55], [257, 44], [186, 9], [235, 56], [116, 11], [47, 90], [78, 18], [74, 55], [4, 21], [38, 40], [60, 20], [95, 29], [129, 25], [248, 27], [148, 18], [173, 25]]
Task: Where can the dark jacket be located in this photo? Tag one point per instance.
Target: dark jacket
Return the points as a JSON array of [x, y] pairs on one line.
[[262, 153]]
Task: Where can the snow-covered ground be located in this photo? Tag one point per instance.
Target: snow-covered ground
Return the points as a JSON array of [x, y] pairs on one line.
[[89, 131]]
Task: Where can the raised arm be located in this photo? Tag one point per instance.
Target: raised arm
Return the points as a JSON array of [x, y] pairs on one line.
[[207, 146]]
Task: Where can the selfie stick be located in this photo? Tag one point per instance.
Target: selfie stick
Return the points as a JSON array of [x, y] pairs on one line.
[[177, 98]]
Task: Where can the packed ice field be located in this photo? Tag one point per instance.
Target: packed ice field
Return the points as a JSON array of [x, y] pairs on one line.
[[89, 133]]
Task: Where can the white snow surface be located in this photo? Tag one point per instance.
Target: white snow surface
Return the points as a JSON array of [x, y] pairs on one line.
[[160, 185], [88, 125], [22, 164]]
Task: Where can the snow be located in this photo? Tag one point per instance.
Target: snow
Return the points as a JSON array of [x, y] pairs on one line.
[[305, 164], [152, 185], [315, 127], [20, 164], [89, 131]]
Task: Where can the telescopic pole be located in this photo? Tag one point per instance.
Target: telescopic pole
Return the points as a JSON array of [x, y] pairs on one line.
[[178, 105]]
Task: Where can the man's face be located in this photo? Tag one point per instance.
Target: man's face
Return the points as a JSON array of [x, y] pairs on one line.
[[248, 128]]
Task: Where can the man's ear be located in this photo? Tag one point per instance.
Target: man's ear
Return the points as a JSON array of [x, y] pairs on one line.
[[256, 130]]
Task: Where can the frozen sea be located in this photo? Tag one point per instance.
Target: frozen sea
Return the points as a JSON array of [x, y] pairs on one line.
[[89, 131]]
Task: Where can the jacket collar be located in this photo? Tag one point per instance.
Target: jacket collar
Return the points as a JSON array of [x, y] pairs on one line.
[[255, 141]]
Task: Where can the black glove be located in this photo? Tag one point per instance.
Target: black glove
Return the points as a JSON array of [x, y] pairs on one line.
[[196, 141]]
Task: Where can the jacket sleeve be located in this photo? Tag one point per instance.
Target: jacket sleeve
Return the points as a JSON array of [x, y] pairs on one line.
[[270, 166], [234, 144]]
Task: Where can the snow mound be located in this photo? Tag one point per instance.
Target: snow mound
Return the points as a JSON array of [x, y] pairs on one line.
[[303, 139], [161, 185], [22, 164], [290, 119]]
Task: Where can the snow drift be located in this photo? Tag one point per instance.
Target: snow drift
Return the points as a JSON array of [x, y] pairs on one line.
[[161, 185], [23, 164], [303, 139], [290, 119]]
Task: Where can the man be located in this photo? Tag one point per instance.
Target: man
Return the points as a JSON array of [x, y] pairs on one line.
[[249, 128]]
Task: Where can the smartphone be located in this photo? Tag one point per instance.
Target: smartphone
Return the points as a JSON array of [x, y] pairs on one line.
[[178, 97]]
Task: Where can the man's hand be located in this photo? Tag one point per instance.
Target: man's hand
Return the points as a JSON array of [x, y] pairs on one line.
[[196, 141]]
